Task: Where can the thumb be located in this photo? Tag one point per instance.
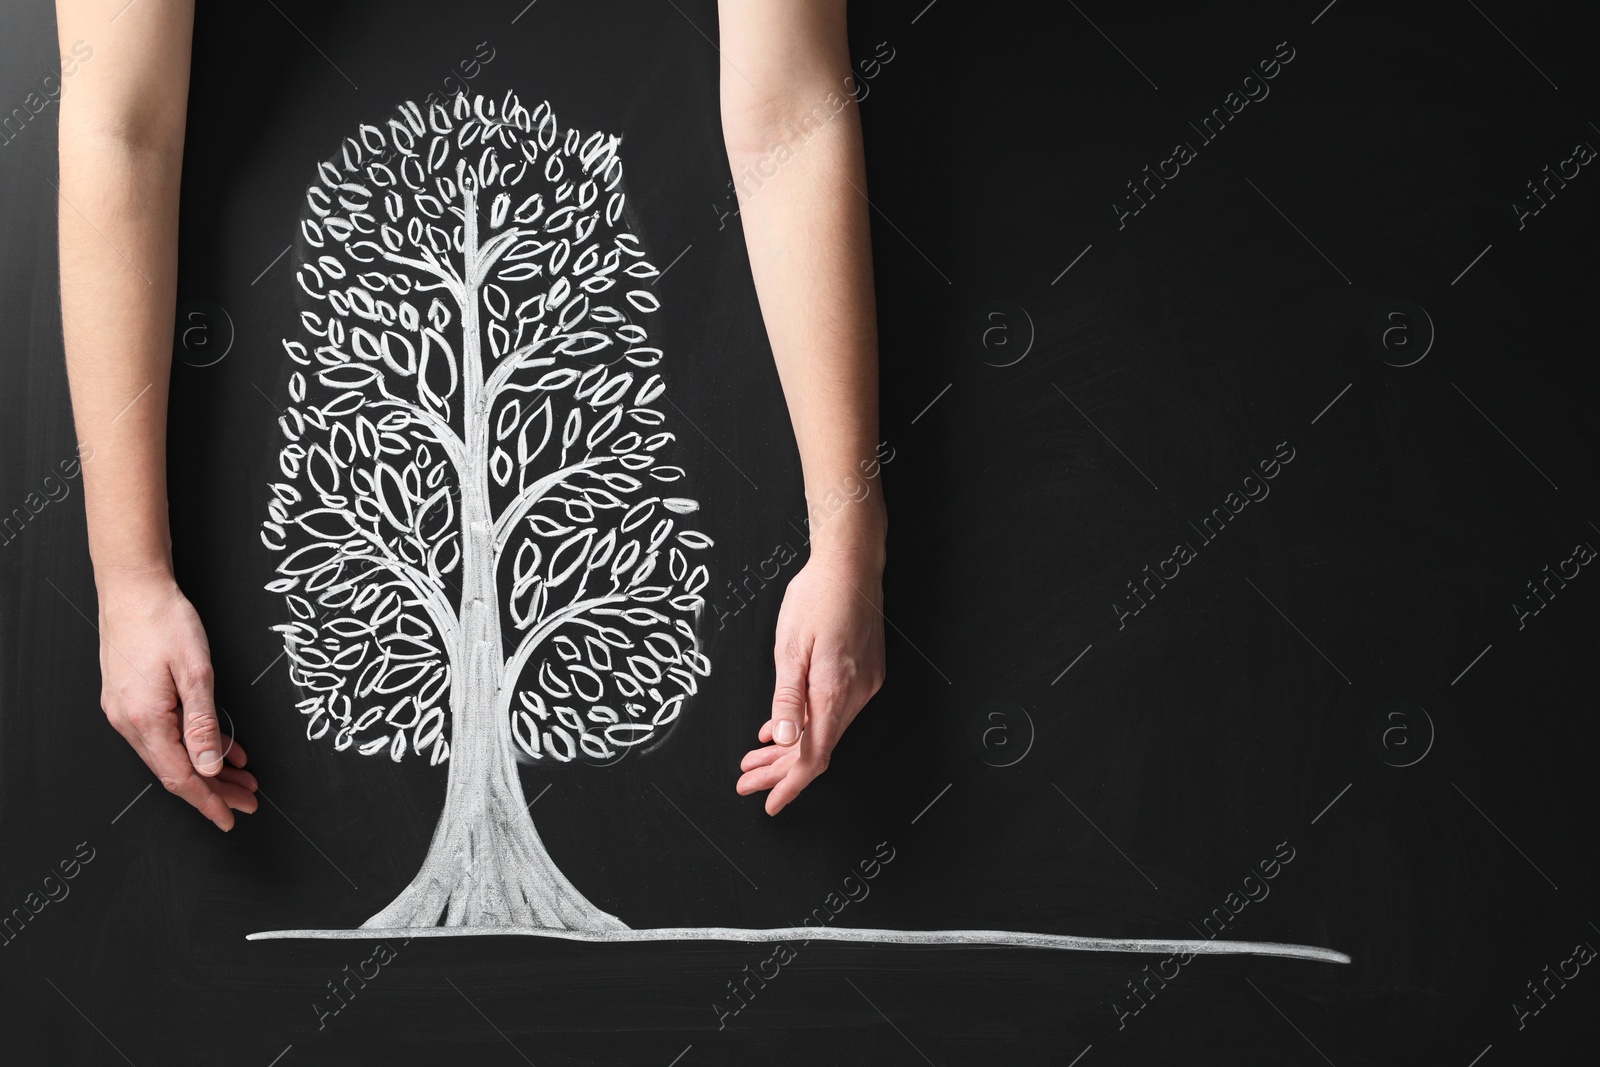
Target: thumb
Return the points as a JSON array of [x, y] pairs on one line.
[[789, 698], [201, 734]]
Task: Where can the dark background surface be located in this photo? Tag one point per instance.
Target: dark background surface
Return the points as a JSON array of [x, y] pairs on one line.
[[1244, 707]]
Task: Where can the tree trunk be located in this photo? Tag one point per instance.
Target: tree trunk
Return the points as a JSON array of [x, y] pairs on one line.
[[486, 865]]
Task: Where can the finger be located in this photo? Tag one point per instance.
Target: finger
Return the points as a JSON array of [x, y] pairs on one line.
[[830, 713], [236, 797], [760, 757], [789, 695], [761, 778], [160, 746], [232, 751], [810, 761], [765, 733], [800, 775], [201, 734], [243, 779], [177, 775]]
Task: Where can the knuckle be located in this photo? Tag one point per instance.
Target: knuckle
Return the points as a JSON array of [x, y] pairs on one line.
[[788, 696], [789, 650], [202, 730], [830, 697], [171, 783], [141, 716], [831, 680]]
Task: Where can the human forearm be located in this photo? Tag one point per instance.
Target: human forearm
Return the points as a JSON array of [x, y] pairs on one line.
[[116, 319], [121, 149], [793, 138], [807, 237]]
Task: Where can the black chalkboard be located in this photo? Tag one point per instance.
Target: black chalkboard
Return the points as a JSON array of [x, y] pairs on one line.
[[1237, 410]]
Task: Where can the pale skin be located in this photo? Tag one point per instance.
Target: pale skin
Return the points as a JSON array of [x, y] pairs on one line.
[[806, 231]]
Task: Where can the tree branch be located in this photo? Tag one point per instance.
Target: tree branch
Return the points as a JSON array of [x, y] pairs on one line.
[[531, 495], [428, 266], [444, 620], [491, 252], [421, 584], [452, 444], [519, 659], [514, 361]]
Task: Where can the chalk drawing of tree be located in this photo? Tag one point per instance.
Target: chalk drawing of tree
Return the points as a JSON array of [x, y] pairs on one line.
[[483, 549], [477, 532]]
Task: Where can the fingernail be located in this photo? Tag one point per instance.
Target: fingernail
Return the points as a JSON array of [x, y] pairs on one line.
[[784, 733], [208, 759]]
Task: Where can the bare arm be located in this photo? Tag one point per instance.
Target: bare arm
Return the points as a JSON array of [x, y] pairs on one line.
[[121, 155], [793, 136]]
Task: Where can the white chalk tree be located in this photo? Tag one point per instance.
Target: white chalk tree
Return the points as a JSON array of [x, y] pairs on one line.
[[481, 552]]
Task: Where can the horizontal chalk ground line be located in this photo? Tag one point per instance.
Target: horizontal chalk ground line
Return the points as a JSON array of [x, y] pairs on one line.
[[1065, 942]]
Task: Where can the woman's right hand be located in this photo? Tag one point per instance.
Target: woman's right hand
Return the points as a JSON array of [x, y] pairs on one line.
[[156, 688]]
